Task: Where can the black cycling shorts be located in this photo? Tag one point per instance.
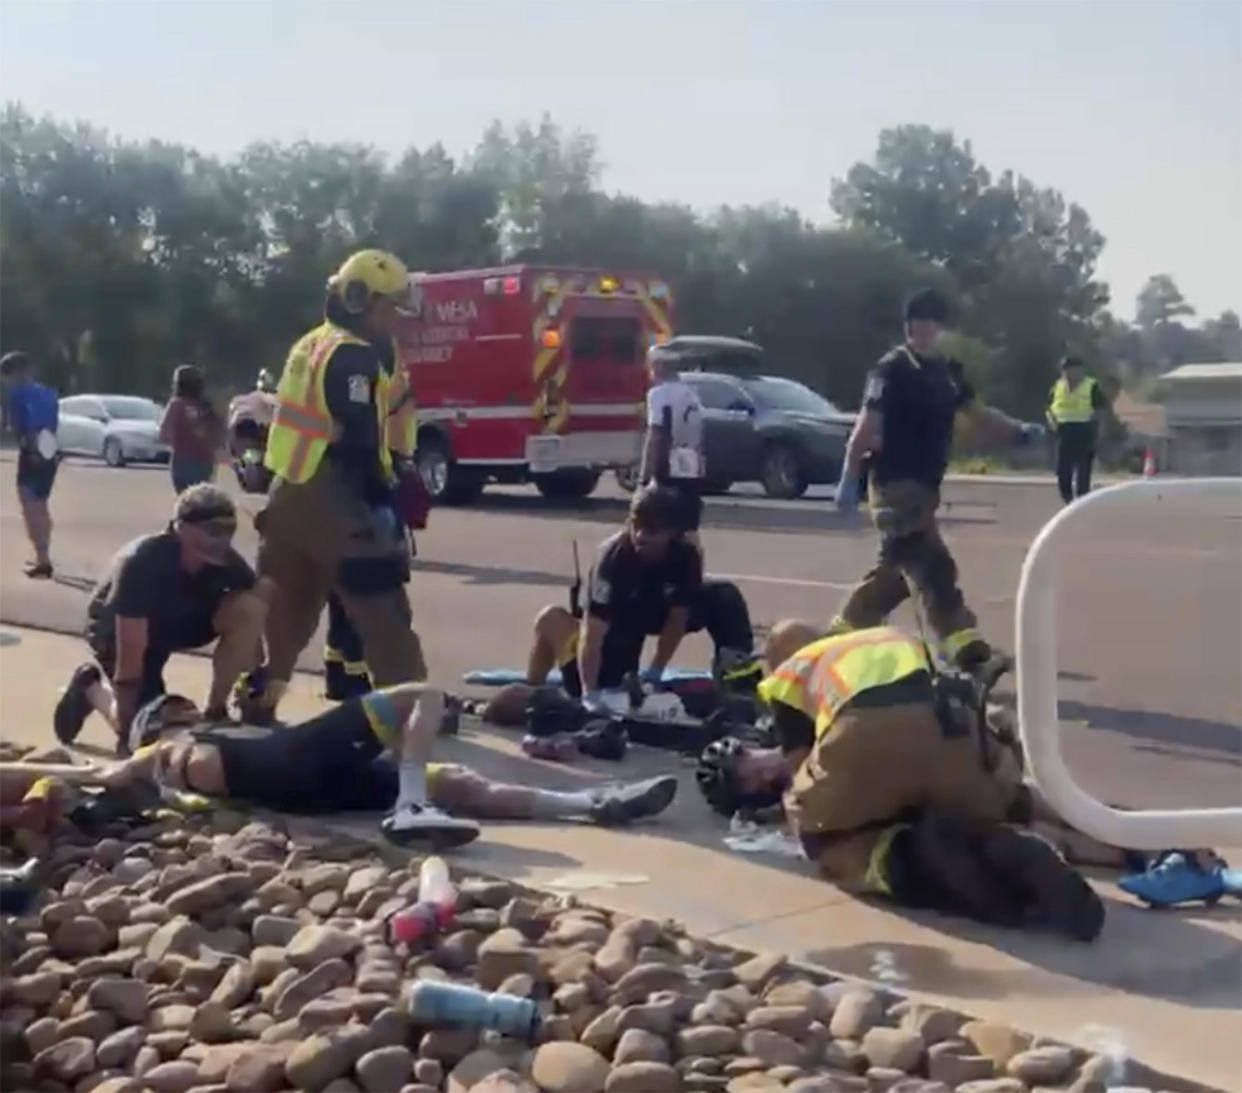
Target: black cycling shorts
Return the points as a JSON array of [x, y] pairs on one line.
[[332, 763]]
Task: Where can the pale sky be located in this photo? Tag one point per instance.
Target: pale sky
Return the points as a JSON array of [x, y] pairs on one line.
[[1132, 109]]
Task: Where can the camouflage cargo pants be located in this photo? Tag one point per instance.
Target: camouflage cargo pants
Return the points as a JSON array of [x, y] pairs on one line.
[[912, 553]]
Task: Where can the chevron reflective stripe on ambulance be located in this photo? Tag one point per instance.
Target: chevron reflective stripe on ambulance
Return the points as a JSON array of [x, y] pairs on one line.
[[657, 314], [550, 415]]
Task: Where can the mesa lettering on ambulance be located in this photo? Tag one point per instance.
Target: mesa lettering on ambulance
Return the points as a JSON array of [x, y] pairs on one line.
[[434, 344]]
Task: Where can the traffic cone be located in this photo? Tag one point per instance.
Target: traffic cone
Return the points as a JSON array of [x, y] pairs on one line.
[[1149, 464]]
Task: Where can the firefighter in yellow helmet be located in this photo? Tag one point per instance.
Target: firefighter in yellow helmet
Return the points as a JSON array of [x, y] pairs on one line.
[[330, 527], [890, 776]]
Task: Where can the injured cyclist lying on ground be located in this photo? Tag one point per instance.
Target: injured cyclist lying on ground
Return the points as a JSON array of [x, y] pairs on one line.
[[336, 762]]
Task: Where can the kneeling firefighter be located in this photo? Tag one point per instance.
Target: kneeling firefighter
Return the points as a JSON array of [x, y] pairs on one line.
[[330, 527], [896, 785]]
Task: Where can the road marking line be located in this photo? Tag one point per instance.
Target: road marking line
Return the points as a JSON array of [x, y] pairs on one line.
[[755, 579]]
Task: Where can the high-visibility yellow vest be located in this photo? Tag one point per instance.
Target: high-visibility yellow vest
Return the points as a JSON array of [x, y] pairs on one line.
[[401, 419], [822, 677], [302, 426], [1072, 405]]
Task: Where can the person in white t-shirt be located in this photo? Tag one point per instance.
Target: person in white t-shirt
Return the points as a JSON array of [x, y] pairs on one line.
[[673, 451]]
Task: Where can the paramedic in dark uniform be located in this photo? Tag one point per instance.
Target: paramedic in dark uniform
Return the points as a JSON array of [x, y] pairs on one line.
[[1074, 409], [906, 427], [646, 581], [330, 525], [673, 447]]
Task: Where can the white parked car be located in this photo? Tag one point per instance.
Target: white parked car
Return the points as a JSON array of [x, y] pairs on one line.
[[116, 428]]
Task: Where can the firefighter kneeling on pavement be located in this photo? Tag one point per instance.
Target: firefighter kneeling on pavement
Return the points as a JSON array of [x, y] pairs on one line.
[[330, 527], [896, 787]]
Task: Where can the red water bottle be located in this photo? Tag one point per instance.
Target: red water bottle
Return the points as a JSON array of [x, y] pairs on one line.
[[436, 907]]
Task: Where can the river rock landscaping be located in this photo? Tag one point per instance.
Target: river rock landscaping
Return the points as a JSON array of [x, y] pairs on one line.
[[208, 954]]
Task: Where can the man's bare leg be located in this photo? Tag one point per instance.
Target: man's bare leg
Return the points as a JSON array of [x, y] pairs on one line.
[[407, 719], [88, 691], [554, 637], [1077, 847], [38, 520], [464, 791], [555, 632], [103, 701]]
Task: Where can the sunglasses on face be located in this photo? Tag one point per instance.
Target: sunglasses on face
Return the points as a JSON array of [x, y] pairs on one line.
[[216, 528]]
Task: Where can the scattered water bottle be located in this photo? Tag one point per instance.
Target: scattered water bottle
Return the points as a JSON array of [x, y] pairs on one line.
[[460, 1006], [435, 909]]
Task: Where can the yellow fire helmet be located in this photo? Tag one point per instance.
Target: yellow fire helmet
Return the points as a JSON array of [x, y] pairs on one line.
[[368, 274]]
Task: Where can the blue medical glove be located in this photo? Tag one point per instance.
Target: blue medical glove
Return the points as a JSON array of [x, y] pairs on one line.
[[385, 517], [847, 495]]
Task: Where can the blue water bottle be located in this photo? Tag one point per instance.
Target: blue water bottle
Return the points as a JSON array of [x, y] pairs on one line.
[[460, 1006]]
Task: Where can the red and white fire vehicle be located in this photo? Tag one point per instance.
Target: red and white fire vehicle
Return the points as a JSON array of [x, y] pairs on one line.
[[531, 374]]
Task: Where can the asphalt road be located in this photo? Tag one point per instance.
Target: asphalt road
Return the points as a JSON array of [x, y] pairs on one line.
[[1150, 608]]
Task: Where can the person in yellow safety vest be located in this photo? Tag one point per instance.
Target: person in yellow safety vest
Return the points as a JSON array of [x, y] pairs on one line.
[[329, 526], [1074, 410], [895, 787], [345, 670]]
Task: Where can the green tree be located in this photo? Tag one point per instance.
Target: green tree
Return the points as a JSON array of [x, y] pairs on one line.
[[1021, 257], [1160, 301], [541, 174]]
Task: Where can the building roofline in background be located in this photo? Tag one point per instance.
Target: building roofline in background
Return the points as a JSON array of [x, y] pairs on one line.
[[1227, 371]]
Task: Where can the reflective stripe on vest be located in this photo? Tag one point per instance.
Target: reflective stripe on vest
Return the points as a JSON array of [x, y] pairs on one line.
[[301, 425], [1071, 406], [822, 677], [401, 419]]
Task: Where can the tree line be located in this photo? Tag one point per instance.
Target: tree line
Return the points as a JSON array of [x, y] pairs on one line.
[[121, 259]]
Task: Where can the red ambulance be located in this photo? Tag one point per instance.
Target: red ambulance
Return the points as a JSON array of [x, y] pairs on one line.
[[531, 374]]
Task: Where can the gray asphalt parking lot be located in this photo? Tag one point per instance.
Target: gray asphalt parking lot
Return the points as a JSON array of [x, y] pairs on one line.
[[1150, 603]]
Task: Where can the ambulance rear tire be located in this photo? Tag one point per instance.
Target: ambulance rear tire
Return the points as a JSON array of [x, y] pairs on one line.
[[571, 484], [447, 482]]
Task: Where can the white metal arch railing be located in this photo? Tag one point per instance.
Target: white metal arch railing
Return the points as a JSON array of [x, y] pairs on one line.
[[1036, 626]]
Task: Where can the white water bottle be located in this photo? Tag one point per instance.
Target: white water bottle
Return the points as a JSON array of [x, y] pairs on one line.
[[434, 885]]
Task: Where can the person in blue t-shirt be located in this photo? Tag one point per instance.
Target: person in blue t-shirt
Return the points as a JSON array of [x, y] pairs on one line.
[[34, 414]]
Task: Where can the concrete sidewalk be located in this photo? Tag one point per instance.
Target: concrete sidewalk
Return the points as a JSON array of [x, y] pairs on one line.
[[1163, 987]]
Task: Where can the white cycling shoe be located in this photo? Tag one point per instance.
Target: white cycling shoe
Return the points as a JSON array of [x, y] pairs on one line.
[[416, 825]]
